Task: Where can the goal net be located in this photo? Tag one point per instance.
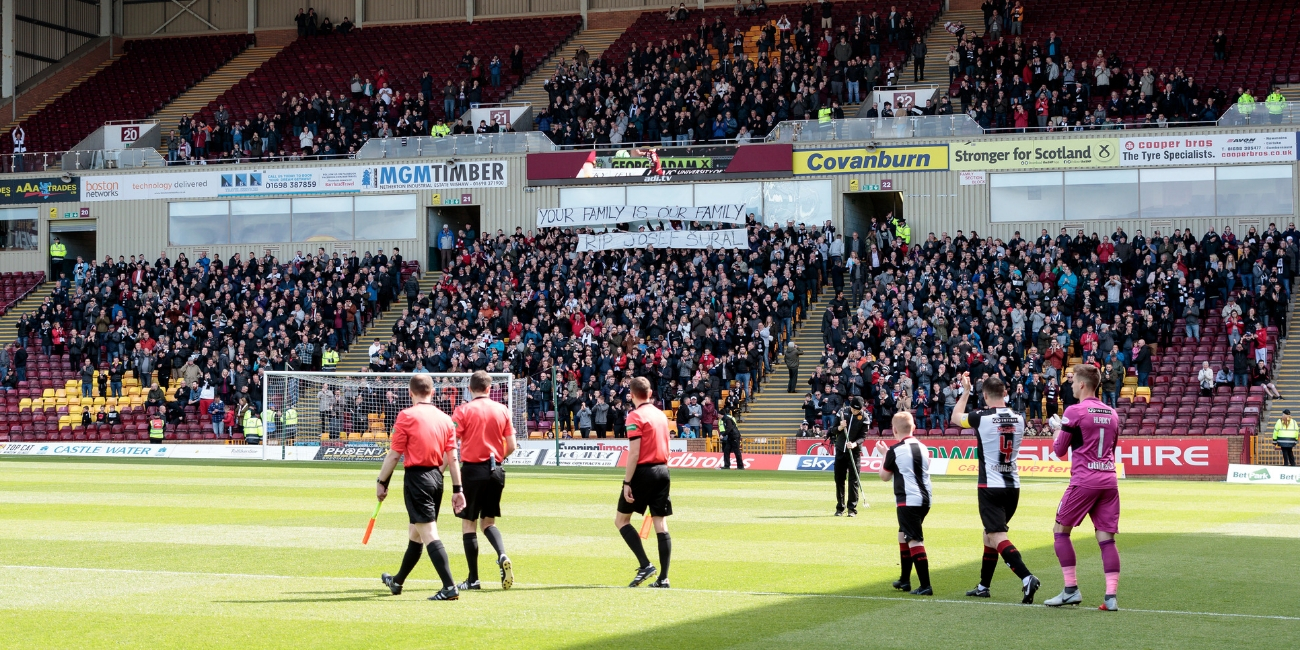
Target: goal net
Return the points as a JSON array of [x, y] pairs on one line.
[[335, 408]]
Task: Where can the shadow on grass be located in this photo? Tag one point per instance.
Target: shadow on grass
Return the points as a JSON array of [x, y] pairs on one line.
[[1214, 595]]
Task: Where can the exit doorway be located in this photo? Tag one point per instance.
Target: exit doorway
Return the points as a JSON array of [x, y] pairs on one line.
[[459, 219], [79, 238], [861, 209]]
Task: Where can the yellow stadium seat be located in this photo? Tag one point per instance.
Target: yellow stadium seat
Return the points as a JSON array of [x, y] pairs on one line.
[[536, 435], [24, 403], [48, 392], [72, 385], [62, 392], [100, 401], [65, 421], [1131, 380], [133, 390], [1143, 391], [354, 436], [1127, 391], [676, 405], [87, 401]]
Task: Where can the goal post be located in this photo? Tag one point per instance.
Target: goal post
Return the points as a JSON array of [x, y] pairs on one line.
[[337, 408]]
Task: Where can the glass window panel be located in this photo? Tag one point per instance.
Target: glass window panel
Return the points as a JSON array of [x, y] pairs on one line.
[[386, 216], [1177, 192], [807, 202], [656, 194], [1110, 194], [18, 229], [1254, 190], [199, 222], [581, 197], [1037, 196], [751, 194], [325, 219], [260, 221]]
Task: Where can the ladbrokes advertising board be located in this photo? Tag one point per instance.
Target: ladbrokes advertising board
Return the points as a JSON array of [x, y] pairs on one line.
[[1208, 149], [1083, 153]]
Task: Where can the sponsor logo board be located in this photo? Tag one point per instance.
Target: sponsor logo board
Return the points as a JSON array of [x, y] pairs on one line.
[[1216, 148], [526, 457], [977, 155], [38, 190], [856, 160], [1263, 474], [351, 452]]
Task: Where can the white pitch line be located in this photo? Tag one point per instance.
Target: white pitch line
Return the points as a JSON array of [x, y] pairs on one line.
[[779, 594]]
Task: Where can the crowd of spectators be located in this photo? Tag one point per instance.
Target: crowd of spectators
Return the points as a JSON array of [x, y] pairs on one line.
[[907, 320], [1003, 81], [702, 325], [204, 329], [697, 84]]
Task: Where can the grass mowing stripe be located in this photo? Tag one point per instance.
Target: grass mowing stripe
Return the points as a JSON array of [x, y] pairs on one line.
[[777, 594]]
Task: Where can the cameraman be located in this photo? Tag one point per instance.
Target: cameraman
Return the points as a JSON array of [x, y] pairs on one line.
[[846, 435]]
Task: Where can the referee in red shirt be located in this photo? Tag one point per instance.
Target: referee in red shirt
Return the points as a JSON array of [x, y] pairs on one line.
[[427, 439], [645, 485], [487, 437]]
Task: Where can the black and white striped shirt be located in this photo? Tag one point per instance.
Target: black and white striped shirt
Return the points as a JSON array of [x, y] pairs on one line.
[[1000, 431], [909, 460]]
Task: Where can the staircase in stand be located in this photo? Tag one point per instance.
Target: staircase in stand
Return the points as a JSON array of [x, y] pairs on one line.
[[358, 355], [774, 412], [1286, 374], [205, 92], [532, 90]]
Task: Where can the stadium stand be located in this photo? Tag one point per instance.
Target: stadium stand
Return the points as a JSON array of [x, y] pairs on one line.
[[132, 320], [310, 84], [1159, 59], [150, 74], [759, 93]]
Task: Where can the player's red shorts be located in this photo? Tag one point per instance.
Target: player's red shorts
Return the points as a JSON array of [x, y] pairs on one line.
[[1101, 504]]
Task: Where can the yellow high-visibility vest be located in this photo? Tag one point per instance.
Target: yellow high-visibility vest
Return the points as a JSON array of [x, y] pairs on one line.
[[1286, 431], [291, 417], [1275, 103], [58, 250], [824, 115], [156, 429]]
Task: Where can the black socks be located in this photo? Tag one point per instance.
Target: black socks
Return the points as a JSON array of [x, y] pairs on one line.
[[989, 565], [1013, 559], [634, 542], [665, 553], [494, 538], [471, 555], [412, 558], [438, 555], [922, 565], [905, 560]]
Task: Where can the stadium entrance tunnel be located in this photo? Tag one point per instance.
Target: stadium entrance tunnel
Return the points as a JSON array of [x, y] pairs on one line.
[[79, 238], [861, 209], [458, 218]]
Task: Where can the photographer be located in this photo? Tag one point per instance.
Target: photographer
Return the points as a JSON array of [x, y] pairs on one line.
[[846, 435]]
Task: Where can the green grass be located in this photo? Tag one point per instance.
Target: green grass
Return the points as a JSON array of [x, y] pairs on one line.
[[193, 555]]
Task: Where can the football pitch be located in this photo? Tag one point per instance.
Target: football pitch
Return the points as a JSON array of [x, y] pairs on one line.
[[163, 554]]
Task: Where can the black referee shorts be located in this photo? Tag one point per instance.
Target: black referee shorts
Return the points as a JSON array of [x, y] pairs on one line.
[[422, 489], [482, 485], [910, 520], [649, 490], [997, 507]]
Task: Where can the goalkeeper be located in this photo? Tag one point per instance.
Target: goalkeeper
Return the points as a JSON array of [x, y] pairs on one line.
[[487, 438]]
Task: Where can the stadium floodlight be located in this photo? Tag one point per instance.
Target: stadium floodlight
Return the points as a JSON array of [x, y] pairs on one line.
[[358, 409]]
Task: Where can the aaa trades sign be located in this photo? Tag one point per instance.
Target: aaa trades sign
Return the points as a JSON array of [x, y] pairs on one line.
[[1030, 154], [1218, 148], [925, 158], [38, 190]]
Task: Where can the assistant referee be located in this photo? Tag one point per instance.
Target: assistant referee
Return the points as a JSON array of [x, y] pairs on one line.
[[487, 437], [427, 438], [646, 483]]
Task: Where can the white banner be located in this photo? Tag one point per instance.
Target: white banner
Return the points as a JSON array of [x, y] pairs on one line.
[[609, 215], [1211, 148], [737, 238], [1266, 474], [212, 184]]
